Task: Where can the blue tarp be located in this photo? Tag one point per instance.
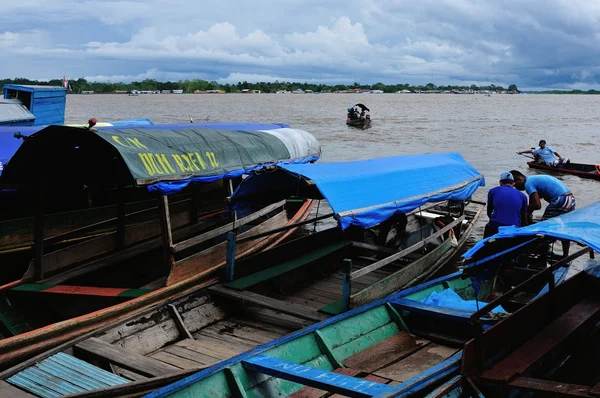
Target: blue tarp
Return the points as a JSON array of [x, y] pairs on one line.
[[211, 125], [365, 193], [581, 225], [448, 298]]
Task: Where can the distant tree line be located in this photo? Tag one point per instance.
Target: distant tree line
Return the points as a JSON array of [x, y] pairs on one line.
[[190, 86]]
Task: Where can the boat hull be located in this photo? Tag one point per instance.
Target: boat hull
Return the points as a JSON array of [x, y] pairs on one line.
[[579, 169]]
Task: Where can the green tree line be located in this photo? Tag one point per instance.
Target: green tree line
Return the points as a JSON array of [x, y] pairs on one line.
[[189, 86]]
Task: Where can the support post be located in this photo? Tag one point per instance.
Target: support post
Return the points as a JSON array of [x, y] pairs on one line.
[[38, 234], [195, 203], [121, 216], [346, 283], [234, 218], [165, 228], [230, 258]]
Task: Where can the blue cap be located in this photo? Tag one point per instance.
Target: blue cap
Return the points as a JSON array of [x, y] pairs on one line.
[[506, 176]]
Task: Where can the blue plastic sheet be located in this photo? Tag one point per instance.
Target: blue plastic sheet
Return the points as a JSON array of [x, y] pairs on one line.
[[209, 125], [448, 298], [365, 193], [581, 225]]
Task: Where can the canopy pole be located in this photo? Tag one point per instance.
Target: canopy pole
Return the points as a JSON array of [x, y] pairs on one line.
[[195, 203], [346, 283], [38, 234], [234, 213], [121, 217], [230, 256], [165, 228]]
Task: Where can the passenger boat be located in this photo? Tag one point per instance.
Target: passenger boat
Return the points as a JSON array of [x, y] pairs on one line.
[[133, 267], [86, 213], [578, 169], [398, 346], [406, 344], [362, 122]]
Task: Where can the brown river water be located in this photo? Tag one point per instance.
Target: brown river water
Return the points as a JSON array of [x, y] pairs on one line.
[[486, 131]]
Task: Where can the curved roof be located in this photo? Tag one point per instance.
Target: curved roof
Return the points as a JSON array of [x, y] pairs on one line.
[[367, 192], [166, 157]]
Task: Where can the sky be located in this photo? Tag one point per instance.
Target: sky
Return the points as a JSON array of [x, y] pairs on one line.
[[535, 44]]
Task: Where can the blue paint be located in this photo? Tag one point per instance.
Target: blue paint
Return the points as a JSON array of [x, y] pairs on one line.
[[47, 103], [203, 374], [317, 378], [439, 312], [62, 374]]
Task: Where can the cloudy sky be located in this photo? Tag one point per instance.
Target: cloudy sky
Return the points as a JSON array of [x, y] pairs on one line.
[[532, 43]]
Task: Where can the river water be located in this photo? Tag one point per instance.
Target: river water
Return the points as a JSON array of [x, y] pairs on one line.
[[486, 131]]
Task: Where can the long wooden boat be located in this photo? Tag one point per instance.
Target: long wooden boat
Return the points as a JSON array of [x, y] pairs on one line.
[[579, 169], [398, 344], [131, 269], [362, 123]]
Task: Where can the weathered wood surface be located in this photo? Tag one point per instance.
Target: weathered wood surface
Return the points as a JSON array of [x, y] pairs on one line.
[[214, 257], [268, 302], [215, 348], [400, 278], [547, 340], [7, 390], [126, 359], [385, 352], [552, 388], [430, 355]]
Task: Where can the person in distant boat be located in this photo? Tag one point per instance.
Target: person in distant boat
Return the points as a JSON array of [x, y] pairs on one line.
[[559, 197], [546, 154], [506, 206], [358, 111]]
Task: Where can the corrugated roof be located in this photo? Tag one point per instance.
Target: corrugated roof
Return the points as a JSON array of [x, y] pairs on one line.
[[62, 374], [13, 111]]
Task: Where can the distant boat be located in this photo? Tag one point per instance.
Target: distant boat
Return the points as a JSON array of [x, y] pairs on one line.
[[177, 91]]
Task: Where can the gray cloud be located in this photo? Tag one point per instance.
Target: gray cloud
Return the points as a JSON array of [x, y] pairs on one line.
[[535, 44]]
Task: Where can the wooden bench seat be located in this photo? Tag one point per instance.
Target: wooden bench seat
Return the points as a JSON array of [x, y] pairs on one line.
[[287, 266], [564, 328], [311, 392], [313, 377]]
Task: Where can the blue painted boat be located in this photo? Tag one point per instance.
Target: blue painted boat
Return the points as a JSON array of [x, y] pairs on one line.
[[398, 346], [347, 354]]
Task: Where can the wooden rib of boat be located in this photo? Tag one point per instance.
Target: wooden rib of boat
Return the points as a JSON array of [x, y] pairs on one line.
[[398, 345], [579, 169], [71, 291]]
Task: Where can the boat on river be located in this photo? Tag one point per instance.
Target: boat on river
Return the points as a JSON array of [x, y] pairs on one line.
[[134, 266], [582, 170]]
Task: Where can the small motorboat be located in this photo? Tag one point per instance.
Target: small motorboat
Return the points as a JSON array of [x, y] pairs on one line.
[[358, 116], [578, 169]]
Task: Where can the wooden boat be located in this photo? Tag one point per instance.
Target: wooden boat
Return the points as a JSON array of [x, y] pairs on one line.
[[131, 269], [402, 346], [578, 169], [392, 341], [362, 122]]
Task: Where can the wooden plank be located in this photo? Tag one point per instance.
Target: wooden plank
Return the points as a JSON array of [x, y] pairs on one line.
[[553, 388], [372, 378], [312, 377], [286, 266], [226, 228], [174, 360], [129, 360], [517, 362], [203, 359], [374, 248], [214, 257], [385, 352], [411, 366], [400, 278], [406, 251], [179, 322], [253, 335], [7, 390], [267, 302], [214, 348]]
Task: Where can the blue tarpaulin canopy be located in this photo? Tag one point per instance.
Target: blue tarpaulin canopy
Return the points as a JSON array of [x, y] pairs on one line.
[[365, 193], [581, 226]]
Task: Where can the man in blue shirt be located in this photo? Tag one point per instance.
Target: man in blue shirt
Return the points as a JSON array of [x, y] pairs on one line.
[[546, 154], [506, 206], [559, 197]]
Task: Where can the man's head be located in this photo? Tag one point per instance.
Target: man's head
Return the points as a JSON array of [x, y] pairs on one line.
[[542, 144], [506, 178], [519, 179]]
